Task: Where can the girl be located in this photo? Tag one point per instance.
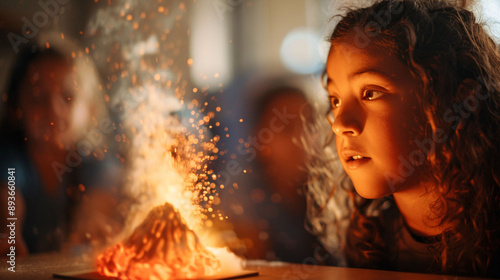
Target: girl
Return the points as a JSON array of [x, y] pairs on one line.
[[415, 94], [53, 106]]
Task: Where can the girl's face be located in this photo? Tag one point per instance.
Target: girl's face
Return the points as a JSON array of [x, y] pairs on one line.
[[46, 96], [376, 120]]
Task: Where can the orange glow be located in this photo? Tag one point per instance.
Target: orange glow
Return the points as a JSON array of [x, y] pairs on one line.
[[168, 160], [153, 250]]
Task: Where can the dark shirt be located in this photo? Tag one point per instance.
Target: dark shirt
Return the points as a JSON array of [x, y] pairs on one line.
[[48, 216]]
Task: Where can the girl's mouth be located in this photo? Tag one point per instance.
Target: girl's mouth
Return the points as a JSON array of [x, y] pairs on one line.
[[353, 162], [355, 158]]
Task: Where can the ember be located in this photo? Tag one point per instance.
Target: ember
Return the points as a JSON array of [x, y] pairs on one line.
[[162, 247]]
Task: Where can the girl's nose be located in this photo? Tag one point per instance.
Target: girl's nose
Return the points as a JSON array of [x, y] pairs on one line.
[[348, 122]]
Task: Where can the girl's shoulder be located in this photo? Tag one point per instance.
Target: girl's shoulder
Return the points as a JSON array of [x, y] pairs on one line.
[[15, 160]]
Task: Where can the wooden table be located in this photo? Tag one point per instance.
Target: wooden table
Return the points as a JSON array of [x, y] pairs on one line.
[[42, 266]]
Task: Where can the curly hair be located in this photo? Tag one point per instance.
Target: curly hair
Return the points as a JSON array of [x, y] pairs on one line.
[[458, 67]]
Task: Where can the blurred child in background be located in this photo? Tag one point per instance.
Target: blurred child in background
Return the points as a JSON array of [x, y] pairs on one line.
[[55, 136]]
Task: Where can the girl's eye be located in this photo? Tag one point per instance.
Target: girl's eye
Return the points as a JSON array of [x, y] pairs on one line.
[[371, 94], [334, 102]]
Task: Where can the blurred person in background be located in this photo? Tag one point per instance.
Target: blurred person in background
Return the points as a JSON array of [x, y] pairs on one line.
[[54, 135], [264, 204]]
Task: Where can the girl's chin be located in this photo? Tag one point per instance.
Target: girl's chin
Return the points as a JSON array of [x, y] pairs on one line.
[[368, 192], [373, 196]]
